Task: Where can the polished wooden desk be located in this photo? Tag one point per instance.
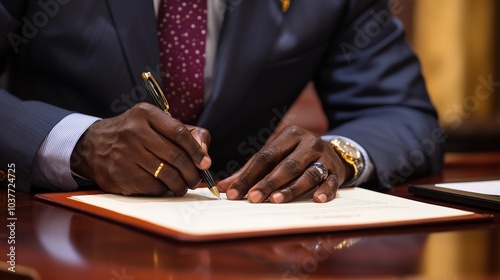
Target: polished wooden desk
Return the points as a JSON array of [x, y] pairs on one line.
[[60, 243]]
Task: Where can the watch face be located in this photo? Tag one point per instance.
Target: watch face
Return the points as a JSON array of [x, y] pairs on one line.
[[351, 150], [348, 149], [350, 154]]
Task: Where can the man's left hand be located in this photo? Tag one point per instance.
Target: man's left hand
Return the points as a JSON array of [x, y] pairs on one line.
[[282, 171]]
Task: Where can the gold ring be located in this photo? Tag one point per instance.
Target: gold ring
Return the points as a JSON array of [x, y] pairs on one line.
[[158, 170]]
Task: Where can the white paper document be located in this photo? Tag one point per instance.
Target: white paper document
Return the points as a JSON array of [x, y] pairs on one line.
[[199, 213], [482, 187]]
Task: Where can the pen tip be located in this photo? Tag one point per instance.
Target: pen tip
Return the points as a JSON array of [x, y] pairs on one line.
[[215, 191]]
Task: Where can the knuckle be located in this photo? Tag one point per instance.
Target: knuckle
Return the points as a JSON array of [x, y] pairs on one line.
[[168, 174], [266, 156], [333, 180], [317, 144], [140, 110], [180, 159], [291, 192], [294, 191], [197, 154], [172, 179], [270, 185], [142, 107], [243, 183], [294, 130], [292, 167], [179, 131]]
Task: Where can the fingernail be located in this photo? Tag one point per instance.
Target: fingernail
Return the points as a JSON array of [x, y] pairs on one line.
[[255, 196], [204, 147], [322, 197], [232, 194], [278, 197]]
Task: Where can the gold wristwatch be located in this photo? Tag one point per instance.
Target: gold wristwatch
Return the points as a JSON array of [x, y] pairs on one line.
[[350, 154]]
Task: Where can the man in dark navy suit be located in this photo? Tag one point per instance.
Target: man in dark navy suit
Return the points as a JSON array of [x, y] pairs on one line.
[[75, 112]]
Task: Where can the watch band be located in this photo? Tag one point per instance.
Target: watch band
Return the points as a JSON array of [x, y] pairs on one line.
[[360, 166]]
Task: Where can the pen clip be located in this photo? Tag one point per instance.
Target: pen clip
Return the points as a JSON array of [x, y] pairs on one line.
[[155, 91]]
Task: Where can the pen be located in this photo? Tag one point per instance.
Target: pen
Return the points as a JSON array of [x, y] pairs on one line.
[[162, 103]]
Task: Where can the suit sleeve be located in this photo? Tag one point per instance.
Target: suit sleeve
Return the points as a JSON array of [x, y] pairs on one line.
[[25, 123], [373, 92]]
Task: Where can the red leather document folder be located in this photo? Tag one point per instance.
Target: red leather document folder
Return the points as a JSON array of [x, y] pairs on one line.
[[198, 216]]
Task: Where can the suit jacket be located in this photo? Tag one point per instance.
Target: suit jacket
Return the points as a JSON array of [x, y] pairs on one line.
[[87, 56]]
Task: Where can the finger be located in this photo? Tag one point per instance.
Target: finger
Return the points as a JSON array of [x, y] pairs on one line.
[[223, 185], [137, 181], [179, 134], [162, 171], [170, 153], [327, 190], [148, 185], [311, 178], [256, 169], [295, 165], [201, 135], [262, 163]]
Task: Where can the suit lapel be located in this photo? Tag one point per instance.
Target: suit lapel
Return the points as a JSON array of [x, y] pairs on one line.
[[135, 23], [246, 39]]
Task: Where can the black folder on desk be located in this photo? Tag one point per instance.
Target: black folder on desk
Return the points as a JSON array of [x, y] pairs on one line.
[[466, 197]]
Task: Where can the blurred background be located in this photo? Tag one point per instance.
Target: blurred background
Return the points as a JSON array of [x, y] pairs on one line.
[[457, 42]]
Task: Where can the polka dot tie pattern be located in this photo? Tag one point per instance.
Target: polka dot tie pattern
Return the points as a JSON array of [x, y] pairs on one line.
[[182, 26]]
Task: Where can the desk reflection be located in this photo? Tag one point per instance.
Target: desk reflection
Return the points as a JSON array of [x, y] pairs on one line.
[[72, 240]]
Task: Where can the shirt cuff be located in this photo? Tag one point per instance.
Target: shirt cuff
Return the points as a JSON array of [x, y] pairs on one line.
[[369, 168], [51, 166]]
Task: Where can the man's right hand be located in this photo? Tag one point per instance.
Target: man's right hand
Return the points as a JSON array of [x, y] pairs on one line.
[[122, 154]]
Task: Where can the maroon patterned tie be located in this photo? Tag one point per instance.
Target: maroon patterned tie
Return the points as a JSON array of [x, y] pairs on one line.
[[182, 26]]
